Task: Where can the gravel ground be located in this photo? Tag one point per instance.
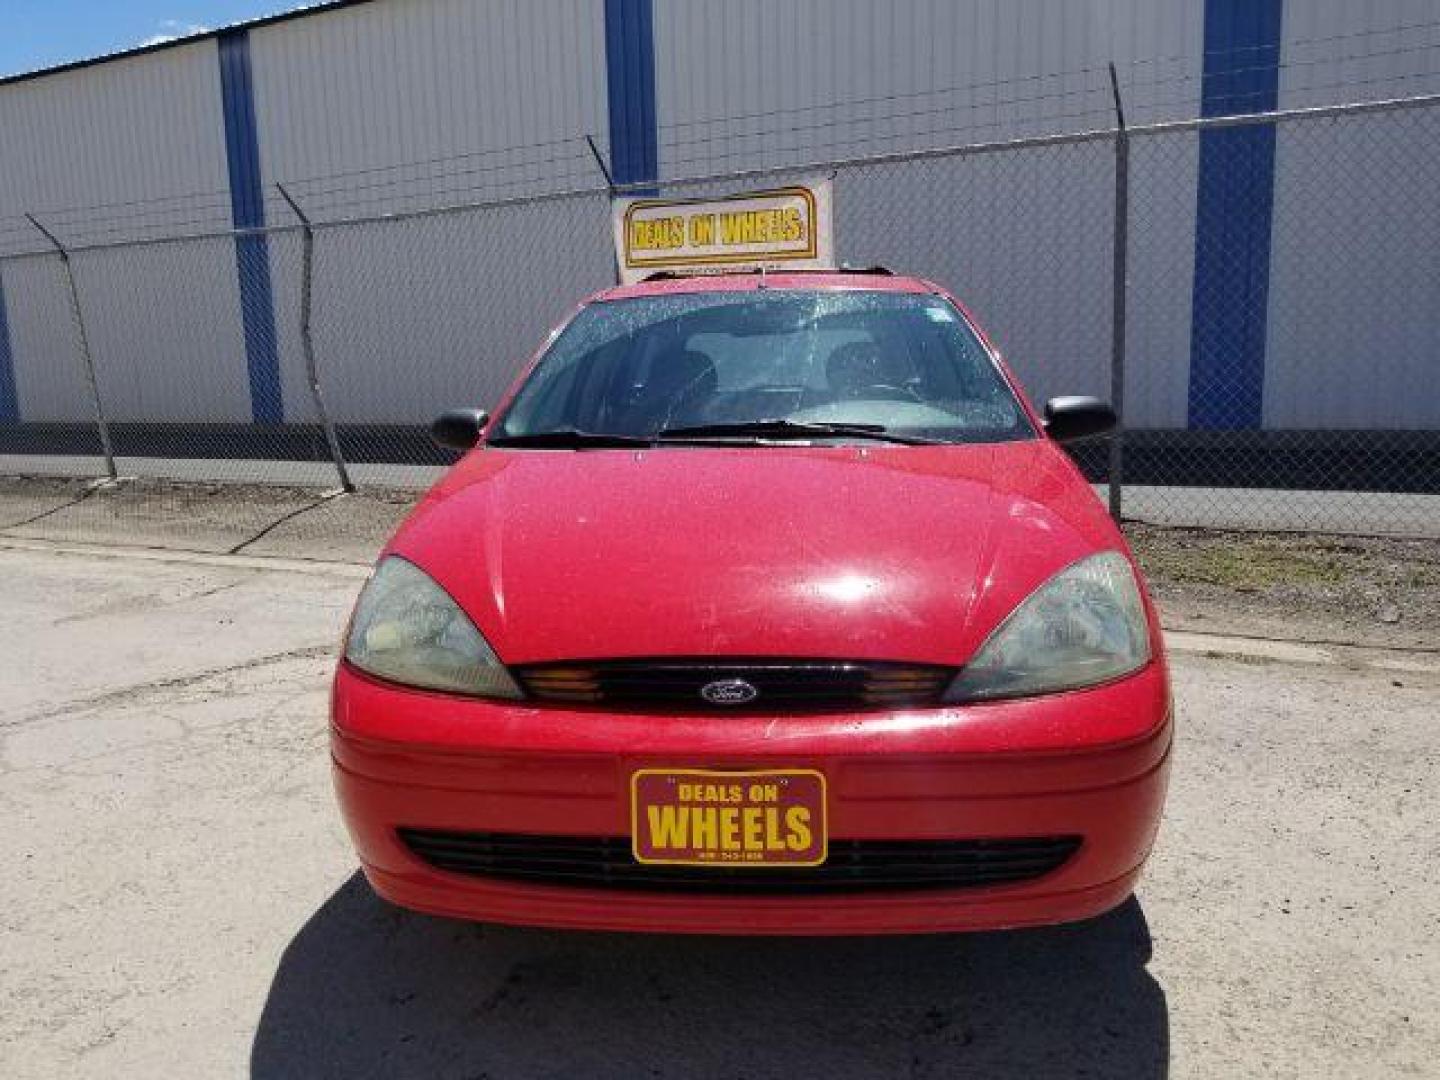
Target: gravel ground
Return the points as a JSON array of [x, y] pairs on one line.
[[182, 901]]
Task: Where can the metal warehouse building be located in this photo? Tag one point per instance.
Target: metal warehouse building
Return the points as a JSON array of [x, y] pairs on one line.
[[1266, 294]]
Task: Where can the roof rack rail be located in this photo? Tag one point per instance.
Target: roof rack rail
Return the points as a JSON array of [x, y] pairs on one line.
[[844, 268]]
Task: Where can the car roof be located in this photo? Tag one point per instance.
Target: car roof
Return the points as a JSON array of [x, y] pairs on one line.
[[835, 280]]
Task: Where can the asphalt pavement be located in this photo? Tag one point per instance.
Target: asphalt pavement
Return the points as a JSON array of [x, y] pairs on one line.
[[181, 899]]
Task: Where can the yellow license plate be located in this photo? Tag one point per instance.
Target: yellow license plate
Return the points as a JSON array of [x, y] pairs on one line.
[[705, 817]]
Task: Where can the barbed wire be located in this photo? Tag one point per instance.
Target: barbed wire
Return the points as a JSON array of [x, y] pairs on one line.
[[1099, 70], [500, 170]]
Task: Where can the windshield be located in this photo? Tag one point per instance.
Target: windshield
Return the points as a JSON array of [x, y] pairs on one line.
[[793, 362]]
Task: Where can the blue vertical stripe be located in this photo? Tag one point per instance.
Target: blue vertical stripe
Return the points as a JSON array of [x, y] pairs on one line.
[[247, 211], [9, 400], [630, 82], [1234, 203]]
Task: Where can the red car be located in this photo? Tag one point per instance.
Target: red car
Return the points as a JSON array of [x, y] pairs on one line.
[[765, 604]]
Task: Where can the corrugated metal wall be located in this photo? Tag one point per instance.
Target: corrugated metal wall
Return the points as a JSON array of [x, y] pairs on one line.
[[119, 149], [368, 108], [436, 311], [1027, 235], [1352, 339], [752, 82], [397, 105]]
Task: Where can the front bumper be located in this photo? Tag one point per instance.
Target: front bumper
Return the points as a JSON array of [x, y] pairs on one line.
[[1091, 763]]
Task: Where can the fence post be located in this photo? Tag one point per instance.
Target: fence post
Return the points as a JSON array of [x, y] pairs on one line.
[[609, 186], [307, 340], [1118, 286], [101, 424]]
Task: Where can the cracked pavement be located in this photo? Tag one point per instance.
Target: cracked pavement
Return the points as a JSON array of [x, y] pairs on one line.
[[180, 897]]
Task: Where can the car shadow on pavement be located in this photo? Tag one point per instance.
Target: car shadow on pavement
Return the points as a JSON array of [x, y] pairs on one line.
[[365, 989]]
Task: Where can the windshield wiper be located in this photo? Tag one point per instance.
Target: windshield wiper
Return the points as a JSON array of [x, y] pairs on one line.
[[575, 439], [792, 429], [569, 439]]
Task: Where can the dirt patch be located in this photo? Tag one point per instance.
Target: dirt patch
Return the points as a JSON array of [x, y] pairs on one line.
[[349, 528], [1367, 591], [1372, 591], [211, 517], [23, 498]]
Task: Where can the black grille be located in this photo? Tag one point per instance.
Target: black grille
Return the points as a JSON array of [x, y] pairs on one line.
[[780, 685], [852, 866]]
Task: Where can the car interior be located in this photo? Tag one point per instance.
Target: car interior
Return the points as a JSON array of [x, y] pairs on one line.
[[724, 364]]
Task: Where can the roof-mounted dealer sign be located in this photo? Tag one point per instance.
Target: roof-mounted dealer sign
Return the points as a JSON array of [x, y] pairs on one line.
[[786, 228]]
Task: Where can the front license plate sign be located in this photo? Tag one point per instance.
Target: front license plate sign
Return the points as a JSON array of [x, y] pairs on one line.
[[701, 817]]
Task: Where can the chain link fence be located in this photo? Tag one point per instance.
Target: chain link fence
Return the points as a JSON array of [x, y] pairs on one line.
[[1278, 365], [1281, 318], [416, 314]]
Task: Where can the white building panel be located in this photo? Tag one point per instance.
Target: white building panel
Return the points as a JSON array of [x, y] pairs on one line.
[[1161, 275], [1023, 236], [443, 311], [415, 103], [134, 136], [1354, 274], [126, 148], [1336, 51], [164, 327], [1352, 334], [1158, 49], [49, 375]]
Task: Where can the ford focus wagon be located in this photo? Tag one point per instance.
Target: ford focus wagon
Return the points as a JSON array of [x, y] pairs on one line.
[[763, 604]]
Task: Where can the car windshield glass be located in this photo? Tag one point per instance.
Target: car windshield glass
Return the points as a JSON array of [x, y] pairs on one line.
[[818, 360]]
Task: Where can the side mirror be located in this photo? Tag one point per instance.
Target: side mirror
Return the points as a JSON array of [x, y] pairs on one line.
[[1069, 419], [459, 429]]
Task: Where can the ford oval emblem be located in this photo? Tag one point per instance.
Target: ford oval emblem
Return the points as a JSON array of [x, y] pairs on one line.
[[729, 692]]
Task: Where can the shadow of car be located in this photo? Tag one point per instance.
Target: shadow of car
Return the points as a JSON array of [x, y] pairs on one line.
[[366, 989]]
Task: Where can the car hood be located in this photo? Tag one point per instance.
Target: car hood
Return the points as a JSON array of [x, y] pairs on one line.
[[844, 552]]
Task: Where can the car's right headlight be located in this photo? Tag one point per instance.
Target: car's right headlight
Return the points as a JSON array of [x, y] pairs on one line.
[[1084, 626], [407, 629]]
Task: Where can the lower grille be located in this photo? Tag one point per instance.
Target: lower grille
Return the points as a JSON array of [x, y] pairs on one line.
[[852, 866], [769, 685]]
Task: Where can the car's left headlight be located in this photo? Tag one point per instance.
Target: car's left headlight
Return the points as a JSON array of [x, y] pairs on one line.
[[1086, 625], [407, 629]]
